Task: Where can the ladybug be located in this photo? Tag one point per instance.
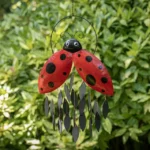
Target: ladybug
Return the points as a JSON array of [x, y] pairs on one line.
[[57, 68]]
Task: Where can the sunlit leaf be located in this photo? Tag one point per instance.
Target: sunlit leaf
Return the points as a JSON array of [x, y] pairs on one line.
[[147, 22], [120, 132], [107, 125]]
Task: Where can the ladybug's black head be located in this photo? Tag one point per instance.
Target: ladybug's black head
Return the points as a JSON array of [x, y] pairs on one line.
[[72, 45]]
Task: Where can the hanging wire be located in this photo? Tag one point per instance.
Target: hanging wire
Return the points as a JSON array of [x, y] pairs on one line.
[[68, 17], [72, 10]]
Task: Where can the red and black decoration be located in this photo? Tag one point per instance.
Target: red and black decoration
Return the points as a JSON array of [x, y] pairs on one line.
[[93, 72], [57, 68]]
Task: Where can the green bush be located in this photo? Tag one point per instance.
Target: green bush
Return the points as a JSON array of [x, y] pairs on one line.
[[123, 29]]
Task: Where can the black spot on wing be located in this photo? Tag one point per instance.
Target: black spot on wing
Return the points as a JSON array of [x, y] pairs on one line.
[[64, 73], [62, 56], [51, 84], [79, 55], [100, 67], [90, 79], [103, 90], [104, 80], [50, 68], [88, 58]]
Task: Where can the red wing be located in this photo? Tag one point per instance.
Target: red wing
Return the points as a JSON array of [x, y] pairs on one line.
[[93, 72], [55, 71]]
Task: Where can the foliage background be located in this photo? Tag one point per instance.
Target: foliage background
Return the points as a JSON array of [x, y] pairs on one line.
[[123, 29]]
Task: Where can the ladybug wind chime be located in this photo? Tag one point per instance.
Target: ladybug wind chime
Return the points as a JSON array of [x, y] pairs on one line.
[[90, 68], [93, 72]]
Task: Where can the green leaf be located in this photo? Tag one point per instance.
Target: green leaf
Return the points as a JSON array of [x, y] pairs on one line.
[[134, 133], [147, 22], [24, 46], [117, 95], [123, 22], [139, 87], [107, 125], [143, 64], [120, 132], [110, 21], [125, 138], [147, 107]]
